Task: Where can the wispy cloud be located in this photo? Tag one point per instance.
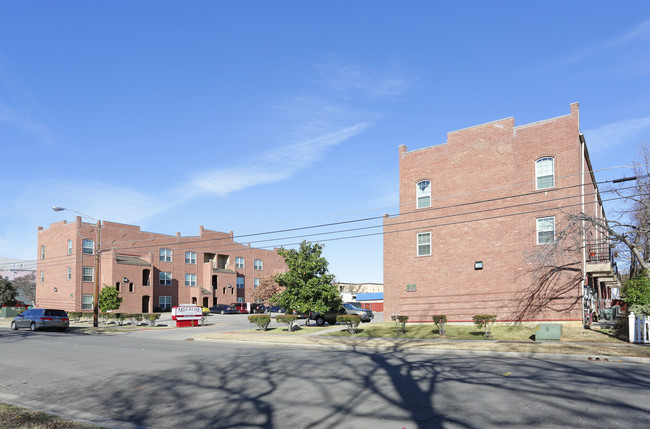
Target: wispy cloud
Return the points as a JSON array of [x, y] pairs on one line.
[[273, 166], [618, 134], [640, 33], [354, 80], [27, 124]]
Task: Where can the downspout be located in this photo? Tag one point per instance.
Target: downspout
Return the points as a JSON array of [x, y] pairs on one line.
[[584, 236]]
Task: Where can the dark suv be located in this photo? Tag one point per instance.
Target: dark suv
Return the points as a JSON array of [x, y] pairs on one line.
[[41, 318], [346, 308]]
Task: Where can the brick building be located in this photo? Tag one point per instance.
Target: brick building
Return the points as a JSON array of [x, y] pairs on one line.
[[483, 226], [151, 271]]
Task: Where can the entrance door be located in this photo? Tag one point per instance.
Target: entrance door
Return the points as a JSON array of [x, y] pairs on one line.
[[145, 304], [205, 302]]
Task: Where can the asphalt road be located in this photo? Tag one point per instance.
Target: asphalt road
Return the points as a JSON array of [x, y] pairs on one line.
[[158, 379]]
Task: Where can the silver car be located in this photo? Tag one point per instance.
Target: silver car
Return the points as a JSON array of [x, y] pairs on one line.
[[41, 318]]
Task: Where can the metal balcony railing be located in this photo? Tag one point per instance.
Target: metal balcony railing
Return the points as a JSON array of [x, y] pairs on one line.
[[599, 251]]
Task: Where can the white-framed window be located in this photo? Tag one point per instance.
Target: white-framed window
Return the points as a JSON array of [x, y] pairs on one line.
[[190, 279], [88, 246], [545, 173], [240, 299], [165, 278], [240, 282], [423, 193], [69, 247], [190, 257], [42, 276], [165, 302], [87, 302], [165, 255], [424, 244], [256, 283], [43, 251], [88, 274], [545, 230], [239, 262], [258, 265], [69, 273]]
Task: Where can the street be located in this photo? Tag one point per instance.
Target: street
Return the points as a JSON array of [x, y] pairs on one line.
[[158, 379]]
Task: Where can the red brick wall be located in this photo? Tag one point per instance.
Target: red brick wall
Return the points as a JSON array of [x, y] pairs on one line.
[[127, 240], [471, 219]]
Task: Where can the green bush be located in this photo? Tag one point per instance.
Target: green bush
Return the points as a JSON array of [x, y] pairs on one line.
[[134, 318], [287, 319], [636, 293], [400, 323], [440, 321], [351, 322], [151, 318], [485, 321], [261, 320], [75, 316]]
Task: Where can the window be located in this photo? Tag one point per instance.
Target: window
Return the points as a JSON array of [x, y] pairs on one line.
[[545, 172], [165, 302], [87, 302], [165, 279], [239, 262], [256, 283], [424, 244], [190, 279], [423, 192], [240, 282], [69, 247], [258, 264], [42, 276], [88, 246], [190, 257], [240, 299], [88, 274], [545, 230], [43, 252], [165, 255], [69, 274]]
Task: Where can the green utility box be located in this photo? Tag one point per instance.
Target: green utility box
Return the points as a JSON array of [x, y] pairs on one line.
[[548, 331]]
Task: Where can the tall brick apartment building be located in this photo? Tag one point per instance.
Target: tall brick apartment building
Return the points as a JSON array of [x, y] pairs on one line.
[[483, 227], [151, 271]]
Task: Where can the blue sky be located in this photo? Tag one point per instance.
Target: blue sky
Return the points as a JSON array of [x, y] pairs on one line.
[[258, 116]]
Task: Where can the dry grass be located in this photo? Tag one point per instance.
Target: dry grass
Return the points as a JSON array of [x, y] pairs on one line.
[[23, 418]]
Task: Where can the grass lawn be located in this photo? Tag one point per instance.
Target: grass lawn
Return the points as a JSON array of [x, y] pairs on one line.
[[471, 332], [276, 328], [23, 418]]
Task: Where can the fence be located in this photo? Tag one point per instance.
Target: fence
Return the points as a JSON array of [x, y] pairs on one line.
[[639, 328]]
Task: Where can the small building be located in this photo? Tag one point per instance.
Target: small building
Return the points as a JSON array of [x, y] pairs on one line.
[[152, 272], [489, 224]]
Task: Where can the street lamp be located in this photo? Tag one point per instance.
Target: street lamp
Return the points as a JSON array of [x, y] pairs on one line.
[[97, 265]]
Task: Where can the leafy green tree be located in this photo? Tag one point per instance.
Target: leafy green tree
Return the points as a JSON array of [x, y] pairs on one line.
[[109, 299], [636, 294], [7, 292], [308, 284]]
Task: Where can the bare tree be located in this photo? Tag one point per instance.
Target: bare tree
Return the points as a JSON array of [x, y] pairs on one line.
[[27, 286]]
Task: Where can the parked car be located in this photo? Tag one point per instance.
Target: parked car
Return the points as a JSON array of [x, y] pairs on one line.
[[273, 309], [258, 308], [346, 308], [20, 304], [240, 307], [223, 309], [41, 318]]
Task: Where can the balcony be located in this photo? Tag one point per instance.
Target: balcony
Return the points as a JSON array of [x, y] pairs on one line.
[[600, 263]]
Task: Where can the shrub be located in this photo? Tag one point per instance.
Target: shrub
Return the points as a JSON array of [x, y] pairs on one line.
[[151, 318], [120, 317], [287, 319], [134, 318], [636, 292], [440, 321], [75, 316], [400, 323], [485, 321], [261, 320], [89, 316], [351, 322]]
